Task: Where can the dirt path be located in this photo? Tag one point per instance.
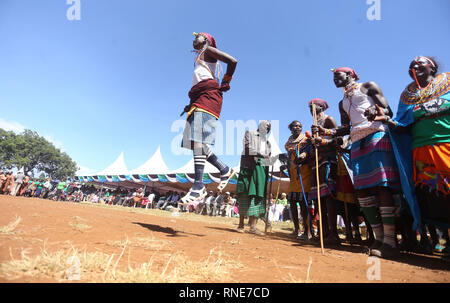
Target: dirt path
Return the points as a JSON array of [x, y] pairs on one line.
[[158, 236]]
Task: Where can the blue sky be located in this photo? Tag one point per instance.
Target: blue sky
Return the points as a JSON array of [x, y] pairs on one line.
[[117, 79]]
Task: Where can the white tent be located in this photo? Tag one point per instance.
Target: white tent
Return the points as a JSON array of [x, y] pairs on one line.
[[154, 172], [154, 165], [118, 167]]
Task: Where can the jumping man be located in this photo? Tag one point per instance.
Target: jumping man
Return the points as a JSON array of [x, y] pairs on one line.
[[204, 111]]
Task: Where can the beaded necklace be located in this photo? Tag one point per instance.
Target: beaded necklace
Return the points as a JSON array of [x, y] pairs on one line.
[[437, 87], [349, 90]]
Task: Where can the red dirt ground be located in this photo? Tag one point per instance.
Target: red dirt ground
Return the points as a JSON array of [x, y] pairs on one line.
[[275, 258]]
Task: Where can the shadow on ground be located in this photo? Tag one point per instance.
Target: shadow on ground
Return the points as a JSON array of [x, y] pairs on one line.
[[167, 230]]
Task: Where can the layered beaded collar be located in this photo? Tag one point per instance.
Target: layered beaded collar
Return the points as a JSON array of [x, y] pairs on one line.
[[414, 95]]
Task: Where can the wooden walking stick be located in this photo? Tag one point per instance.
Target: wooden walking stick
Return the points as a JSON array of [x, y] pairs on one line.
[[270, 201], [317, 179]]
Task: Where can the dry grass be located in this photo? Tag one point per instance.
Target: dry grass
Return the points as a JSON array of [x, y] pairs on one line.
[[292, 279], [73, 264], [10, 228], [150, 243], [79, 225]]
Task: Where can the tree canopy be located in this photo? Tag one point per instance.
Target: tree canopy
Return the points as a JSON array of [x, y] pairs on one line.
[[34, 153]]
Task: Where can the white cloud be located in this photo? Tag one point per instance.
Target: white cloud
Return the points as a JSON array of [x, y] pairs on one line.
[[12, 126]]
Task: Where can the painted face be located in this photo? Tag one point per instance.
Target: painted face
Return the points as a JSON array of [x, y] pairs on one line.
[[199, 41], [296, 128], [340, 79], [422, 67]]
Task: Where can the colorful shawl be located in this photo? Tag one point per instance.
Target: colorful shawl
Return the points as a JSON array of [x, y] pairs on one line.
[[401, 143]]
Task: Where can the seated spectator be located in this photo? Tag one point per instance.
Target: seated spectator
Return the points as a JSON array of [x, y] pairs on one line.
[[280, 207], [203, 206], [46, 188], [94, 198], [210, 203], [128, 200], [137, 197], [60, 189], [39, 186], [172, 202], [118, 199], [226, 206], [192, 206], [2, 180], [161, 202], [25, 185], [218, 202]]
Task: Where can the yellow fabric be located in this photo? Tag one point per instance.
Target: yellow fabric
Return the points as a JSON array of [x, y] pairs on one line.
[[194, 108], [294, 184], [305, 171], [344, 192]]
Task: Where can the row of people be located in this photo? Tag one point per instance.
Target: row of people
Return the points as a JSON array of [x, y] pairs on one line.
[[21, 184], [212, 205], [366, 162]]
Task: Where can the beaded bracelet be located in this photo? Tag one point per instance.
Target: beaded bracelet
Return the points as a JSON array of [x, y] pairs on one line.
[[329, 132]]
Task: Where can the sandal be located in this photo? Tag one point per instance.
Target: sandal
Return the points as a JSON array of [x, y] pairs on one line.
[[194, 195], [224, 179]]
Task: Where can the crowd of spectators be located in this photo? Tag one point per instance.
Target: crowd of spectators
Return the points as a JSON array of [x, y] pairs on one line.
[[20, 184]]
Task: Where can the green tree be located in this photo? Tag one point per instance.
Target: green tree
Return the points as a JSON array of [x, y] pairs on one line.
[[8, 149], [33, 152]]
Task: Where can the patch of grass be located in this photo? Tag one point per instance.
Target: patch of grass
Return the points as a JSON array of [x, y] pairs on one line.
[[60, 265], [72, 264], [10, 228], [143, 242], [78, 224]]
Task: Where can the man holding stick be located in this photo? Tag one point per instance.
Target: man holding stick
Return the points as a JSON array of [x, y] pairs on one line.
[[372, 158], [327, 171], [297, 148], [251, 188]]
